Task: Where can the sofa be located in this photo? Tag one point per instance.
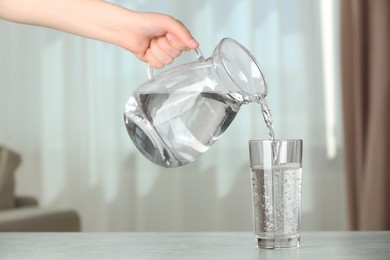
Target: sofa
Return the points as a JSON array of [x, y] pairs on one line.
[[23, 213]]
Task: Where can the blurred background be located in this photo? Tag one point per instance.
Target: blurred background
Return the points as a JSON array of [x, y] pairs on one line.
[[62, 99]]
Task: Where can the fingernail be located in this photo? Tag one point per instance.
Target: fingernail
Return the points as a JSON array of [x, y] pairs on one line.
[[169, 36], [193, 43]]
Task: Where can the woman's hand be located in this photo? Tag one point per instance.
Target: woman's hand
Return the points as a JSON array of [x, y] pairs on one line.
[[156, 38]]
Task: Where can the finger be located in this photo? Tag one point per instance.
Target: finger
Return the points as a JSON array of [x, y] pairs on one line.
[[152, 60], [176, 42], [164, 45], [182, 37], [159, 53]]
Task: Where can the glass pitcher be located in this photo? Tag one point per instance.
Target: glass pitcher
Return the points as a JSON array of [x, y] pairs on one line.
[[177, 115]]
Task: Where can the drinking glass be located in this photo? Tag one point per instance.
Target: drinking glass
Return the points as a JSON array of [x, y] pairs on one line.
[[276, 169]]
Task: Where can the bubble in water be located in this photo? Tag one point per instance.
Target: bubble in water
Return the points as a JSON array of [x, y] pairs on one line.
[[277, 207]]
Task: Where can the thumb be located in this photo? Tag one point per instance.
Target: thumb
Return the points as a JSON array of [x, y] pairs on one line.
[[179, 36], [189, 43]]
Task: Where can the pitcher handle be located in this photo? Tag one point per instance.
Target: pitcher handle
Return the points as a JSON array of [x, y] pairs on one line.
[[199, 56]]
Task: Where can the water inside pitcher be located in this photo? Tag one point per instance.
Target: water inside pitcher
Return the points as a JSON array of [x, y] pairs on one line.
[[177, 115]]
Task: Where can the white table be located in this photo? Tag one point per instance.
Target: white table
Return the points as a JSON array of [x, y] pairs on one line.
[[224, 245]]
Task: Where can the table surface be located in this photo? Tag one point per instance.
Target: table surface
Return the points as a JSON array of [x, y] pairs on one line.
[[219, 245]]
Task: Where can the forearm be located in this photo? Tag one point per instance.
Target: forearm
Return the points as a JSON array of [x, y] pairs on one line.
[[88, 18], [152, 37]]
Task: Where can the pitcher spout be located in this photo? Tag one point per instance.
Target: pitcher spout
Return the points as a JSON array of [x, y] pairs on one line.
[[240, 71]]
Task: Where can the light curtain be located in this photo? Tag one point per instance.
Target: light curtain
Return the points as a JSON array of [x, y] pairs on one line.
[[62, 99]]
